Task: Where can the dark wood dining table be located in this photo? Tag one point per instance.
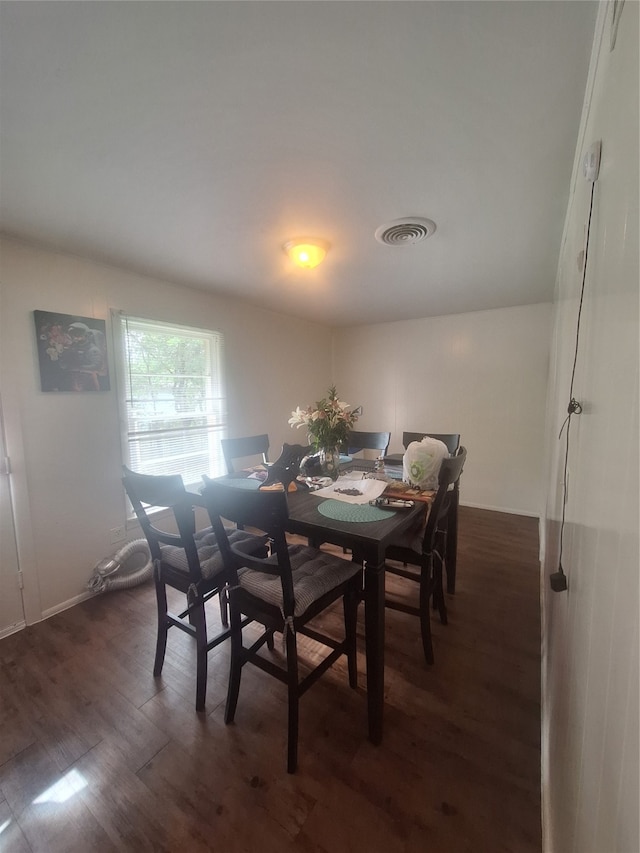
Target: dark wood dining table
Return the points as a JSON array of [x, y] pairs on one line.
[[368, 541]]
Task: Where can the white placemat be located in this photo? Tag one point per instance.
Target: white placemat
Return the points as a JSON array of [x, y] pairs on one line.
[[367, 489]]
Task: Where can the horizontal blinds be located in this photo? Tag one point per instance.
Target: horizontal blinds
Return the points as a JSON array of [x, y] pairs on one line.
[[174, 399]]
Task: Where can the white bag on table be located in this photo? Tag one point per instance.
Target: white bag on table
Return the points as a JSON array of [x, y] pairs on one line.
[[421, 462]]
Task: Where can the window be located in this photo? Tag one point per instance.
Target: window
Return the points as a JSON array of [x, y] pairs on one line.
[[172, 400]]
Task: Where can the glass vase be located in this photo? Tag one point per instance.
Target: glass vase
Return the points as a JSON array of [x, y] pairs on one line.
[[330, 462]]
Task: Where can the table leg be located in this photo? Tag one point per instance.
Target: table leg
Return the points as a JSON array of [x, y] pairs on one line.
[[374, 633], [451, 555]]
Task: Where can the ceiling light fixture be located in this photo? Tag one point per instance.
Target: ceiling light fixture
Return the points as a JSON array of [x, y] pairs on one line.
[[306, 252]]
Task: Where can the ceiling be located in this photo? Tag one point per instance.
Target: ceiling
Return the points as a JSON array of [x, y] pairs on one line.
[[190, 140]]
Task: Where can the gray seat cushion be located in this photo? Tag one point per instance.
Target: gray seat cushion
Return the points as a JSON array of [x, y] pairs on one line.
[[208, 552], [314, 573]]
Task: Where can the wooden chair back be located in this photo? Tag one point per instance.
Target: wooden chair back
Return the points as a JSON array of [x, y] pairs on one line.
[[264, 511], [241, 448], [449, 475], [358, 441], [451, 439], [164, 492]]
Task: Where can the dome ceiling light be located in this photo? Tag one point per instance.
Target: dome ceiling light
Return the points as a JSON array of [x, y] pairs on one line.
[[405, 232], [306, 252]]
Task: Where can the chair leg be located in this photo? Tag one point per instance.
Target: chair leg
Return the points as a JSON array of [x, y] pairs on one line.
[[200, 624], [451, 550], [292, 684], [235, 671], [350, 605], [425, 616], [270, 641], [438, 590], [163, 627], [439, 565], [224, 607]]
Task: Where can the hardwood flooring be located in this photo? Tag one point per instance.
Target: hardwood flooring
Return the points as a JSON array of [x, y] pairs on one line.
[[97, 755]]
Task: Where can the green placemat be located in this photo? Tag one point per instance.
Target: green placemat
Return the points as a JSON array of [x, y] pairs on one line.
[[343, 511], [246, 483]]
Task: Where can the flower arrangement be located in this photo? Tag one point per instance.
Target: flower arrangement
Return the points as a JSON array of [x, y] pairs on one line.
[[328, 421]]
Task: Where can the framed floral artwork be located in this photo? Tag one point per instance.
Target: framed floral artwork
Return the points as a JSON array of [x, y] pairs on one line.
[[72, 352]]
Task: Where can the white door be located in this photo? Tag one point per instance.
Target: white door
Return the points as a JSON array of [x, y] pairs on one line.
[[11, 609]]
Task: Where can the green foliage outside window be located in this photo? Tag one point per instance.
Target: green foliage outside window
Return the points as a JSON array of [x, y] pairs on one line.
[[174, 399]]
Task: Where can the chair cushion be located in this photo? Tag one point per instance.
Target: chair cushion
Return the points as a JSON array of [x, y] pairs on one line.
[[208, 551], [411, 539], [314, 573]]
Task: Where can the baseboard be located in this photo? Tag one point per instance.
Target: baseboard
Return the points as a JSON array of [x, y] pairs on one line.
[[12, 629], [65, 605], [502, 509]]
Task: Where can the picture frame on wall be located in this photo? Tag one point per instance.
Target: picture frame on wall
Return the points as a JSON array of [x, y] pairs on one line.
[[72, 352]]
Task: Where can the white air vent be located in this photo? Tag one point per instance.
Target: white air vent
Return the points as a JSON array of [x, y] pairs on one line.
[[403, 232]]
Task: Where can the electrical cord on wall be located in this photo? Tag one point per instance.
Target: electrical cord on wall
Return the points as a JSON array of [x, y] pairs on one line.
[[559, 579]]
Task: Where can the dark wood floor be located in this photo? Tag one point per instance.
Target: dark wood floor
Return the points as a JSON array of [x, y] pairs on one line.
[[97, 755]]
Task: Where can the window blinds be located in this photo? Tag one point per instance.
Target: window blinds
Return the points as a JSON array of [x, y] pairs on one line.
[[174, 402]]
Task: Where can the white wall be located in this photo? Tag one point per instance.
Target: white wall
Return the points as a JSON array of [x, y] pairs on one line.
[[590, 666], [446, 374], [65, 447], [482, 374]]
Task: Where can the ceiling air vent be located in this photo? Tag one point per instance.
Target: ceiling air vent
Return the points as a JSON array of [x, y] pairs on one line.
[[403, 232]]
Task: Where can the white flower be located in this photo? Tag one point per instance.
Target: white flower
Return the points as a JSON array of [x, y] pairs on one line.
[[328, 421], [297, 418]]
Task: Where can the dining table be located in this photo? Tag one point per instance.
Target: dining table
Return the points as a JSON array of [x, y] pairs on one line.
[[368, 541], [367, 532]]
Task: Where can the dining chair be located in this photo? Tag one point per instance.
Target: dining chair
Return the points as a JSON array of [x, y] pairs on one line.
[[283, 592], [426, 550], [242, 448], [357, 441], [452, 442], [188, 561], [450, 439]]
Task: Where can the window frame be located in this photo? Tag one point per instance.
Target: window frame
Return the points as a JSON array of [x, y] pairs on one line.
[[215, 432]]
